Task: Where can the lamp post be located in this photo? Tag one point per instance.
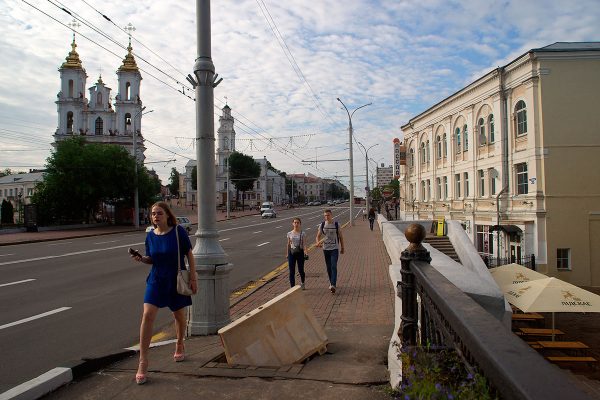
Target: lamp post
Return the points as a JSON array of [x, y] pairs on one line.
[[136, 200], [350, 114], [367, 170], [20, 196], [210, 306]]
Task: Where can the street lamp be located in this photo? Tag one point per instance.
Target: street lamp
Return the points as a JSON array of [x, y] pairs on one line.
[[367, 170], [136, 206], [20, 196], [350, 114]]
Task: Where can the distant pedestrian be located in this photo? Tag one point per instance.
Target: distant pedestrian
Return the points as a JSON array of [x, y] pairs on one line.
[[161, 284], [371, 217], [364, 213], [333, 246], [295, 251]]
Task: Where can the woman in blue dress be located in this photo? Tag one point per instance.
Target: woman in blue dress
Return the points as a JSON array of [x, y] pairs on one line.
[[161, 284]]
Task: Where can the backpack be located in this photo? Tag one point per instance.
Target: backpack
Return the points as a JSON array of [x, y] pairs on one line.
[[337, 233]]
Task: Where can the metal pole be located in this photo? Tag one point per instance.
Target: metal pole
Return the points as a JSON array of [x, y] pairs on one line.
[[210, 306], [227, 206], [136, 206], [351, 156]]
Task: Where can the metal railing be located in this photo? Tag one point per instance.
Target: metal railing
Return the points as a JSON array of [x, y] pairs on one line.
[[492, 262], [450, 318]]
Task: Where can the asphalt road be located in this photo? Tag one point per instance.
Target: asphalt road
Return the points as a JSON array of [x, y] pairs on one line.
[[74, 298]]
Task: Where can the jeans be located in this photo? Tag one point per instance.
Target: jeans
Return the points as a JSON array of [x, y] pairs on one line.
[[331, 259], [371, 220], [292, 259]]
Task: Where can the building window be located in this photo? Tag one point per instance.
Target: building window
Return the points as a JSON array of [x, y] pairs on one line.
[[481, 183], [29, 192], [99, 99], [457, 185], [225, 185], [412, 192], [563, 258], [521, 117], [482, 138], [445, 146], [492, 176], [457, 134], [484, 239], [466, 183], [465, 138], [438, 188], [522, 187], [439, 147], [423, 191], [127, 90], [491, 124], [71, 89], [127, 121], [70, 122], [423, 153], [427, 150], [99, 126], [428, 189], [411, 158], [445, 187]]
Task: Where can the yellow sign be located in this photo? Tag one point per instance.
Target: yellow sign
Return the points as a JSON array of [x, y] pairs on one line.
[[440, 227]]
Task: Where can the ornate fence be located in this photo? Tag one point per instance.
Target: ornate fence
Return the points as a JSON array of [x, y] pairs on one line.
[[450, 318], [491, 261]]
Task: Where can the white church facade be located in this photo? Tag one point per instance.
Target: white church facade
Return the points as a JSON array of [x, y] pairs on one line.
[[95, 117]]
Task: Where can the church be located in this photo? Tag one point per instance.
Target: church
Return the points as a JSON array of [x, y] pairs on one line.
[[95, 117]]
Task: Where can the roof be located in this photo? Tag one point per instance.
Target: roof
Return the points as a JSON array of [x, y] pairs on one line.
[[22, 178], [570, 46]]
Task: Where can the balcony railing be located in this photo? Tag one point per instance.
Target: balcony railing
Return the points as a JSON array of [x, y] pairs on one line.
[[450, 318]]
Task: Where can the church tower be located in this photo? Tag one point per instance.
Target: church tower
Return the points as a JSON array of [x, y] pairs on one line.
[[225, 146], [71, 102]]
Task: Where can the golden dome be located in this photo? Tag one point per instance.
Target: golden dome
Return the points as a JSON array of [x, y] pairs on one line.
[[129, 63], [72, 60]]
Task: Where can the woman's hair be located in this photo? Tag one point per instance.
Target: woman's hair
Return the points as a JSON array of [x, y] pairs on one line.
[[297, 219], [171, 220]]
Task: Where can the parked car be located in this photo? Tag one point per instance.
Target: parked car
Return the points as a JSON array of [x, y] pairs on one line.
[[149, 228], [269, 213], [185, 222]]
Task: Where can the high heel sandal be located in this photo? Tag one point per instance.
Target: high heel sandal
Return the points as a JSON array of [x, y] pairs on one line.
[[179, 355], [140, 379]]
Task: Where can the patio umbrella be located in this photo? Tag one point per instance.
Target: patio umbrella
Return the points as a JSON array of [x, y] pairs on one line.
[[510, 274], [551, 295]]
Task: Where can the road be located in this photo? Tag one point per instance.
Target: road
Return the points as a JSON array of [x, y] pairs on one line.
[[74, 298]]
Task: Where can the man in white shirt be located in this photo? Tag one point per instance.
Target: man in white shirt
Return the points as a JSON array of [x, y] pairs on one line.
[[333, 246]]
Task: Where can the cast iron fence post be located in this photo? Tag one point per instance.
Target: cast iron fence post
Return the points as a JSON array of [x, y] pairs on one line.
[[415, 234]]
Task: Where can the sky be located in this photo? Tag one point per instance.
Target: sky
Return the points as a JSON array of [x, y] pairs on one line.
[[283, 64]]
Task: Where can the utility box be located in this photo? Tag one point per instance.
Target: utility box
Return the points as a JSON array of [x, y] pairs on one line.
[[282, 331]]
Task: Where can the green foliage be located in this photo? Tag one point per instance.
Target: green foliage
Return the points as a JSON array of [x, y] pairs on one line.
[[7, 212], [81, 176], [430, 373], [243, 171], [376, 194], [174, 182]]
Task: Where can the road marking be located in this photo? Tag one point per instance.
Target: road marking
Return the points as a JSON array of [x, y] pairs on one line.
[[59, 244], [4, 255], [222, 240], [70, 254], [256, 232], [132, 234], [280, 226], [17, 282], [22, 321], [262, 244], [110, 241]]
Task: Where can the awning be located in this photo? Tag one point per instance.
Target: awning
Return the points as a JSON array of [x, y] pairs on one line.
[[506, 228]]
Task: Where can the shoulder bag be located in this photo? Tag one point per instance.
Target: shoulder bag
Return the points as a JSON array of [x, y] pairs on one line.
[[183, 275]]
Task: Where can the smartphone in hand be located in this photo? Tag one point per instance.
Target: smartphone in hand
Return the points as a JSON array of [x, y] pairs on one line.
[[134, 253]]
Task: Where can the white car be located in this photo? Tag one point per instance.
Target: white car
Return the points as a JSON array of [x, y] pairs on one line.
[[185, 222], [269, 213]]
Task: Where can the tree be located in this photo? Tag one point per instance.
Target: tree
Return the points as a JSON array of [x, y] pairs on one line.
[[7, 212], [243, 171], [174, 182], [80, 177]]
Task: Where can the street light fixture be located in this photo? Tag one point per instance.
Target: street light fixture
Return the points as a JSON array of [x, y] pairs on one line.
[[367, 194], [136, 201], [350, 114]]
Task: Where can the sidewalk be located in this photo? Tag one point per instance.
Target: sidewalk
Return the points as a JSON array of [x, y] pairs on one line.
[[358, 321]]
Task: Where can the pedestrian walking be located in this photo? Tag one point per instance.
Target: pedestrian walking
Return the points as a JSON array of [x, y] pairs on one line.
[[295, 252], [161, 285], [333, 246], [371, 217]]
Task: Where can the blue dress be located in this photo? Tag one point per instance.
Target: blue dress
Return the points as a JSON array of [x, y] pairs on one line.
[[161, 284]]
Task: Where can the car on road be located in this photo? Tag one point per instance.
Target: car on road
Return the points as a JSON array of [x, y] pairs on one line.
[[185, 223], [269, 213], [267, 205]]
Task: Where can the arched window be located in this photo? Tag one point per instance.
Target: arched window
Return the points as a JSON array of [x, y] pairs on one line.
[[411, 157], [439, 147], [445, 145], [482, 138], [99, 126], [127, 90], [422, 153], [457, 134], [70, 122], [423, 191], [225, 143], [428, 152], [99, 99], [465, 138], [128, 122], [521, 117], [491, 124], [71, 90]]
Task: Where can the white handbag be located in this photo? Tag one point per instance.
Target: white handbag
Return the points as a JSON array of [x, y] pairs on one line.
[[183, 275]]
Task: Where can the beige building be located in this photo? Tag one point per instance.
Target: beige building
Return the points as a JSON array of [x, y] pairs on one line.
[[514, 157]]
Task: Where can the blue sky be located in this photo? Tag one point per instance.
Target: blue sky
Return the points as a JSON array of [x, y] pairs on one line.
[[403, 56]]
